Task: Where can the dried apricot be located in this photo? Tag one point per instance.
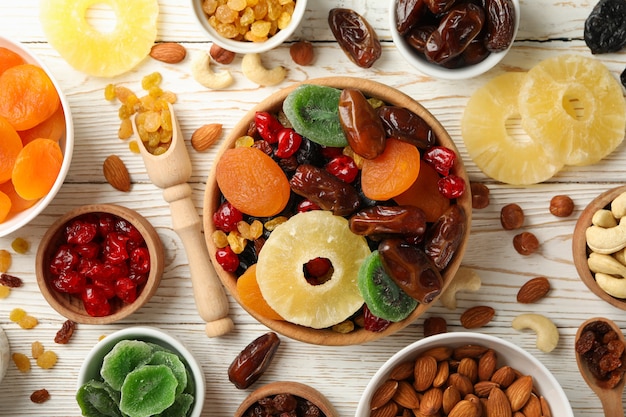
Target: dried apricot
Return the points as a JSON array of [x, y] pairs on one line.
[[9, 59], [27, 96], [252, 181], [36, 168], [51, 128], [423, 193], [251, 297], [18, 204], [10, 147], [5, 206], [392, 172]]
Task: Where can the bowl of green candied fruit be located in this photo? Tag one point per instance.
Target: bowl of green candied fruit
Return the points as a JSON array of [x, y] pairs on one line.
[[337, 211]]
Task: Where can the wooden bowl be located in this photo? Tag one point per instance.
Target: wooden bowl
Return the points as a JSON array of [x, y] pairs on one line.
[[288, 387], [71, 306], [580, 250], [274, 103]]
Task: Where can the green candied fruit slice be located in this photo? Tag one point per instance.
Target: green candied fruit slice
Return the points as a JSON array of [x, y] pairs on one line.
[[172, 361], [313, 111], [148, 390], [181, 407], [191, 384], [125, 356], [98, 399]]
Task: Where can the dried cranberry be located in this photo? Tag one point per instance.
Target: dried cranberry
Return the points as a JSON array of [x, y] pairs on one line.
[[268, 126], [373, 323], [126, 290], [288, 142], [70, 282], [64, 259], [343, 167], [451, 186], [227, 259], [330, 152], [115, 248], [317, 267], [440, 158], [80, 232], [88, 250], [306, 205], [140, 260], [226, 217], [95, 302]]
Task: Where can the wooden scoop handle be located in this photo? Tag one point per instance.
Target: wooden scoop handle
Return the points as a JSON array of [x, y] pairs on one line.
[[209, 294]]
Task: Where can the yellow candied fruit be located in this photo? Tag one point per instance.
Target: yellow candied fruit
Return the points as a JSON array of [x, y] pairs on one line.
[[5, 260], [4, 291], [20, 245], [151, 121], [109, 92], [151, 80], [220, 239], [21, 361], [250, 231], [28, 322], [156, 92], [244, 142], [36, 349], [344, 327], [17, 314], [101, 337], [159, 150], [285, 2], [47, 359]]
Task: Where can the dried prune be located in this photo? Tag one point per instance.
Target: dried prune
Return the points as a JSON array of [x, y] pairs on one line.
[[500, 24], [355, 36], [361, 125], [605, 27]]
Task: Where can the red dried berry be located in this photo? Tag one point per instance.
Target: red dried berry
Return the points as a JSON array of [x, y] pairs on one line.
[[440, 158], [330, 152], [373, 323], [268, 126], [317, 267], [88, 250], [227, 259], [451, 186], [126, 290], [306, 205], [140, 260], [115, 251], [70, 282], [64, 259], [95, 302], [288, 142], [79, 232], [226, 217], [343, 167]]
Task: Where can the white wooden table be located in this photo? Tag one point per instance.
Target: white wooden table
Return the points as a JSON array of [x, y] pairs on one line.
[[341, 373]]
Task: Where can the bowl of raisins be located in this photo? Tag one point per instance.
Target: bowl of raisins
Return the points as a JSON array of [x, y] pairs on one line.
[[38, 136], [99, 263], [337, 211], [239, 28], [454, 39]]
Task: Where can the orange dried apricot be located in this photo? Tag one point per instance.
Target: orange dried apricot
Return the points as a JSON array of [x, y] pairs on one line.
[[423, 193], [27, 96], [51, 128], [251, 297], [36, 168], [5, 206], [10, 147], [252, 182], [18, 204], [9, 59], [392, 172]]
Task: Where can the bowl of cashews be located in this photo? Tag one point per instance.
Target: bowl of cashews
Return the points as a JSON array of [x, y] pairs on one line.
[[599, 246]]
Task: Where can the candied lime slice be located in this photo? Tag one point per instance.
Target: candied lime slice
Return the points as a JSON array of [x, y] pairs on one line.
[[173, 362], [313, 111], [148, 390], [98, 399], [125, 356], [182, 405]]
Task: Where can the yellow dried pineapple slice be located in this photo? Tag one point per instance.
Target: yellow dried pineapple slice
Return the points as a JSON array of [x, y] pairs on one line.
[[98, 53], [507, 156], [575, 107]]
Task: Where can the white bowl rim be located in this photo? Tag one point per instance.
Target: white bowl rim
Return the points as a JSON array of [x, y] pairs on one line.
[[457, 339], [437, 71], [250, 47], [156, 335], [19, 220]]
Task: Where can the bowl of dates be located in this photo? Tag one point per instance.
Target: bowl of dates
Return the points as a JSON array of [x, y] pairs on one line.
[[598, 246], [454, 39], [99, 263], [463, 374], [337, 211]]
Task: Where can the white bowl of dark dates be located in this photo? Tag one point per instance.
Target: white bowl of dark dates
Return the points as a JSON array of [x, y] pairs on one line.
[[454, 39], [347, 237]]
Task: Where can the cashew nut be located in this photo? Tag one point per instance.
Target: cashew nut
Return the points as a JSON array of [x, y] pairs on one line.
[[615, 287], [620, 256], [253, 69], [606, 264], [618, 206], [546, 330], [603, 218], [606, 240], [202, 73], [465, 279]]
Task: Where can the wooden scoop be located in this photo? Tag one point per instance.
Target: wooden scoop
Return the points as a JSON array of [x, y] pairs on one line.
[[611, 398], [171, 171]]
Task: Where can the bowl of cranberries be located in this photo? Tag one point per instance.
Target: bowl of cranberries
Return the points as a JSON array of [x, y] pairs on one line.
[[99, 263], [337, 211]]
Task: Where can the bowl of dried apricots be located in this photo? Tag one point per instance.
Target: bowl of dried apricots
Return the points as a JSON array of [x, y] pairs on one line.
[[337, 211], [38, 136]]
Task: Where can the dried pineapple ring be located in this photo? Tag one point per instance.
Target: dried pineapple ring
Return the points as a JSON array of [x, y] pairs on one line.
[[512, 159], [575, 107], [97, 53]]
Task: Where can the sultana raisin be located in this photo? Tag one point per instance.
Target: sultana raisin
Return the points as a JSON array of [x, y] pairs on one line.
[[10, 281], [36, 349], [40, 396], [28, 322], [21, 361], [5, 260], [65, 333], [17, 314], [605, 27], [4, 291], [47, 359], [20, 245]]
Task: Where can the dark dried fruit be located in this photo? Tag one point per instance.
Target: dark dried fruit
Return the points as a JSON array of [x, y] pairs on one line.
[[355, 36], [382, 220], [361, 124], [408, 13], [605, 27], [253, 360], [401, 123], [603, 352], [435, 325], [10, 281], [525, 243], [40, 396], [65, 333], [445, 236], [511, 217], [480, 195], [500, 24]]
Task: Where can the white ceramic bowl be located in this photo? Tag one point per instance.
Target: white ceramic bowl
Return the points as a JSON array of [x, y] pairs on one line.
[[16, 221], [5, 354], [438, 71], [507, 353], [90, 369], [244, 47]]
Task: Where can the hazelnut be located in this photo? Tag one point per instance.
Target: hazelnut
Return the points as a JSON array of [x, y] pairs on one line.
[[525, 243], [561, 206], [480, 195], [221, 55], [302, 53], [511, 217]]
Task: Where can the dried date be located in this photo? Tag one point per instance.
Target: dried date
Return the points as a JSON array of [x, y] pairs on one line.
[[253, 360], [408, 14], [382, 220], [405, 125], [355, 36], [500, 24], [418, 37], [605, 27], [361, 124], [439, 6], [444, 237]]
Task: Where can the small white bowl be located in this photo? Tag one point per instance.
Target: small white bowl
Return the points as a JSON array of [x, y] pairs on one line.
[[5, 354], [245, 47], [16, 221], [438, 71], [507, 354], [90, 369]]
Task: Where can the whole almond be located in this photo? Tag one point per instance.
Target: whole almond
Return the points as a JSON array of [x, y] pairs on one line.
[[468, 351], [383, 394], [451, 396], [435, 325], [498, 404], [431, 402], [443, 372], [424, 372], [388, 410], [483, 388], [504, 376], [402, 371], [440, 353], [406, 396], [116, 173], [477, 316], [205, 136], [532, 408], [487, 365], [545, 407], [519, 392], [533, 290], [465, 408], [168, 52], [469, 368], [221, 55], [462, 383]]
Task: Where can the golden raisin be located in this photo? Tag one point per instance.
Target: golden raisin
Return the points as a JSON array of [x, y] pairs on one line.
[[36, 349], [28, 322], [21, 361], [17, 314], [5, 260], [47, 359], [4, 291]]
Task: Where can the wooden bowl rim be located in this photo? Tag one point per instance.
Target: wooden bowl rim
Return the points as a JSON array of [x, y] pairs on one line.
[[273, 103], [291, 387], [70, 306], [580, 251]]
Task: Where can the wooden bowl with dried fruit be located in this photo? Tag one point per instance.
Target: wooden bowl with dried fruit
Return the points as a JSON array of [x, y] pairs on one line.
[[315, 251], [99, 263]]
